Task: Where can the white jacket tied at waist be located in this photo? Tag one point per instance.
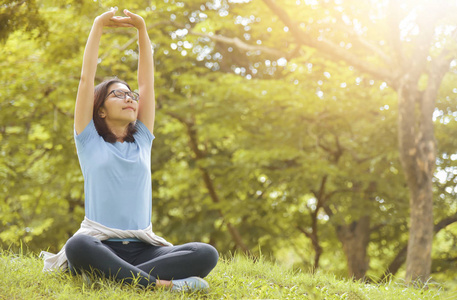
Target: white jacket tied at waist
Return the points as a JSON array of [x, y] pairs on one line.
[[88, 227]]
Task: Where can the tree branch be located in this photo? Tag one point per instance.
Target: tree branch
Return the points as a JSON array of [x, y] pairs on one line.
[[328, 47], [394, 26], [357, 39], [242, 45], [440, 65], [426, 22]]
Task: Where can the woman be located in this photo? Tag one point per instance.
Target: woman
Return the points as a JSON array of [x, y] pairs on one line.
[[113, 134]]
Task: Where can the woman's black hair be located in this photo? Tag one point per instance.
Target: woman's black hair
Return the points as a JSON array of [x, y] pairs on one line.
[[100, 92]]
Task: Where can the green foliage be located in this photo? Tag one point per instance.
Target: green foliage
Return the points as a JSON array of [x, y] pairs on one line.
[[21, 15]]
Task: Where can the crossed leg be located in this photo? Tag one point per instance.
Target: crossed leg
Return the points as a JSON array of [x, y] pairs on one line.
[[137, 259]]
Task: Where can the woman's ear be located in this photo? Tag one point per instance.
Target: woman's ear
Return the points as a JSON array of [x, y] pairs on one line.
[[101, 113]]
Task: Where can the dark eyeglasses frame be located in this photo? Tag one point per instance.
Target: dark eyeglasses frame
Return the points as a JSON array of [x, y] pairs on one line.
[[120, 94]]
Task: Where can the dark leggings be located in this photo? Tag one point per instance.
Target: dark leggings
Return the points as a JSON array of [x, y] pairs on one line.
[[140, 260]]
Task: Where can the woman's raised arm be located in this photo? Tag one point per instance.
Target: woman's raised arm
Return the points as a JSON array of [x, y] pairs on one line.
[[85, 97], [146, 110]]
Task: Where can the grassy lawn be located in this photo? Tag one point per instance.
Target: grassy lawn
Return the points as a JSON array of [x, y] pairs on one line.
[[234, 278]]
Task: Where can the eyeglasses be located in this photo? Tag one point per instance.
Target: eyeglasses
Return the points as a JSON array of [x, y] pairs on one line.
[[123, 95]]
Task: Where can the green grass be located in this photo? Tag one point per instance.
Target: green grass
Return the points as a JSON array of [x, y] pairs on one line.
[[234, 278]]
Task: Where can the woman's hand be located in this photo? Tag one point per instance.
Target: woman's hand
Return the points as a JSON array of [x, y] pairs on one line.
[[108, 19], [133, 20]]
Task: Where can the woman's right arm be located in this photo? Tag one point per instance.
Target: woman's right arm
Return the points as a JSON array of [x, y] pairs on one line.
[[85, 97]]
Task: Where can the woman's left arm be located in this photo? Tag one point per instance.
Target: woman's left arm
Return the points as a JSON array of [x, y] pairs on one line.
[[146, 110]]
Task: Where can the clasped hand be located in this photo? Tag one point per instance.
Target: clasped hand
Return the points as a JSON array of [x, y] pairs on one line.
[[108, 19]]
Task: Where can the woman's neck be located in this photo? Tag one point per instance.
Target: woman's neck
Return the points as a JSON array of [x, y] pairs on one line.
[[120, 131]]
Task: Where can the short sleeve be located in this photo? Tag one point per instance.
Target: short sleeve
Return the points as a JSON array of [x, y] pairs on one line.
[[89, 133], [143, 135]]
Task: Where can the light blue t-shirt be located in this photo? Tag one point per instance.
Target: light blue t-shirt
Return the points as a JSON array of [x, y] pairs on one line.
[[117, 178]]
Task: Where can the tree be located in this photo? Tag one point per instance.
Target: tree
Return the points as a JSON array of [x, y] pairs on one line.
[[378, 40]]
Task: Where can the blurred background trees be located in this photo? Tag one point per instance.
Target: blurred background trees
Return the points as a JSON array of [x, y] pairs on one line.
[[271, 137]]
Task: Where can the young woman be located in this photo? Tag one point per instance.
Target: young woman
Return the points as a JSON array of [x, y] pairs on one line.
[[114, 134]]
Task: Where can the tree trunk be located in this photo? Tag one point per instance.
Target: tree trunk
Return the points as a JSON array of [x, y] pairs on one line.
[[314, 237], [199, 154], [399, 260], [355, 238], [417, 155], [312, 234], [419, 259]]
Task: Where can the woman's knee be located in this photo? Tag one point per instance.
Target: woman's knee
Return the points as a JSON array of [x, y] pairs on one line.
[[213, 254], [208, 254], [80, 244]]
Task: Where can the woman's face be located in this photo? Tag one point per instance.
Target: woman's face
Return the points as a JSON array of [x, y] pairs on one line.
[[119, 107]]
